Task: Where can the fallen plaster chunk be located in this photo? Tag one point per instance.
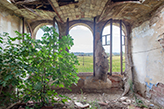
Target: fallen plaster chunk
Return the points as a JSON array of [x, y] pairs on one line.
[[125, 100], [80, 105], [125, 103], [56, 99], [75, 98], [151, 105], [103, 104], [128, 101]]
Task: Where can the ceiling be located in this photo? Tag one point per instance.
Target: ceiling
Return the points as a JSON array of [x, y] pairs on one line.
[[131, 11]]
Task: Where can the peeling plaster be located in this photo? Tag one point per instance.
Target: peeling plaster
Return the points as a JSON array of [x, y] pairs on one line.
[[143, 31], [149, 85], [149, 65], [148, 82]]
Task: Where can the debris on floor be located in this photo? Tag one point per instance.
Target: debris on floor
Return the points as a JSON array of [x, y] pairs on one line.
[[99, 101]]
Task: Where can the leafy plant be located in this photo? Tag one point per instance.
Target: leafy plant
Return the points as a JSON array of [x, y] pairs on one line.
[[12, 67], [95, 105], [36, 65]]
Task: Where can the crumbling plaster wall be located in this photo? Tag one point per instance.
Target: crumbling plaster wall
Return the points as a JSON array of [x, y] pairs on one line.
[[148, 57], [9, 22]]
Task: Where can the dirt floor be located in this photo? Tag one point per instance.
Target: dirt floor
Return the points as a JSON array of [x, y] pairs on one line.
[[106, 101], [98, 101]]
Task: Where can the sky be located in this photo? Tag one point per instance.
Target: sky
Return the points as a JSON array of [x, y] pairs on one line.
[[116, 39], [83, 39]]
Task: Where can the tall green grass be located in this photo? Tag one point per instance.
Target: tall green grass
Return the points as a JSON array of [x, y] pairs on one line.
[[116, 66], [88, 64]]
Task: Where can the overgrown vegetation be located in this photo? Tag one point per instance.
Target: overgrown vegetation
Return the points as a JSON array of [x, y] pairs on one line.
[[33, 66]]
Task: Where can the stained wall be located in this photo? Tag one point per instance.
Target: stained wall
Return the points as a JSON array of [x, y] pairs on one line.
[[10, 22], [148, 57]]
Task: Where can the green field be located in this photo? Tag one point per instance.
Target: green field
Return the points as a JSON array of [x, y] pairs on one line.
[[88, 64]]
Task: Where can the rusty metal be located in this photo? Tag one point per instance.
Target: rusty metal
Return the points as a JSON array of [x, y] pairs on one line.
[[23, 27], [106, 43], [55, 10], [94, 27], [121, 45], [111, 22], [54, 20], [67, 31], [67, 28], [105, 40], [30, 29]]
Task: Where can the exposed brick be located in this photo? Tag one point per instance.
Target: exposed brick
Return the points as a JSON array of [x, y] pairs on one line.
[[158, 94], [152, 92], [160, 85], [77, 16], [115, 84], [82, 16], [157, 89], [158, 100], [162, 92]]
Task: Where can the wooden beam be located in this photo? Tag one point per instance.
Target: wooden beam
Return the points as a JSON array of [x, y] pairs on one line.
[[24, 2], [31, 10], [55, 10]]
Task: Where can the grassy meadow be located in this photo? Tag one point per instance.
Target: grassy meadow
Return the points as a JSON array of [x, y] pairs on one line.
[[88, 64]]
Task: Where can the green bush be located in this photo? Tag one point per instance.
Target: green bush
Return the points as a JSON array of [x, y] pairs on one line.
[[44, 63]]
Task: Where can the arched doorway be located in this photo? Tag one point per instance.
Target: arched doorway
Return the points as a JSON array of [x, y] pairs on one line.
[[83, 46]]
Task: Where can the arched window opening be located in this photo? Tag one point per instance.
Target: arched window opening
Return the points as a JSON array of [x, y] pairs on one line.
[[116, 52], [40, 32], [83, 47]]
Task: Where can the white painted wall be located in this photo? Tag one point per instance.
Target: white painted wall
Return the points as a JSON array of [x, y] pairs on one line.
[[10, 23], [147, 54]]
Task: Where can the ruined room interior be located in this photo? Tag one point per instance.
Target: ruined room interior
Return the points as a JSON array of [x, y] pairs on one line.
[[141, 20]]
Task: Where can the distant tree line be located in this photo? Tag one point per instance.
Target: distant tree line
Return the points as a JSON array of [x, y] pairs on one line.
[[91, 54], [82, 54]]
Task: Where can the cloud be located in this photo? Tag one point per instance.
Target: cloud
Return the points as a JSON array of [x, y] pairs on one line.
[[83, 28], [80, 27]]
